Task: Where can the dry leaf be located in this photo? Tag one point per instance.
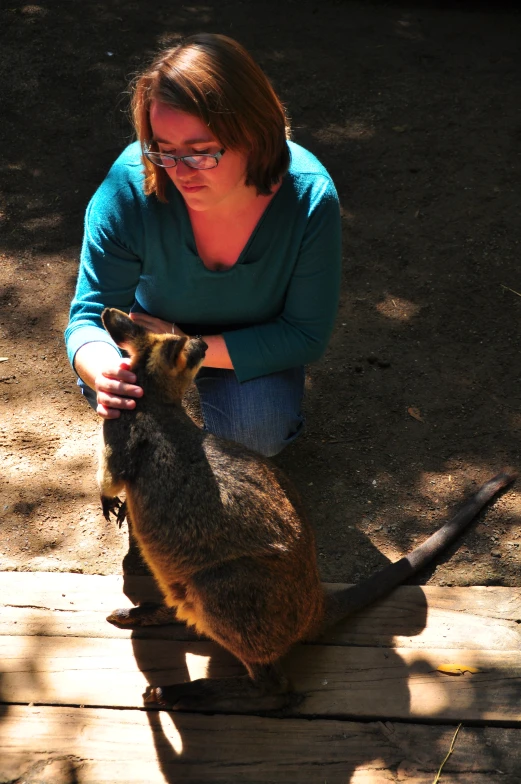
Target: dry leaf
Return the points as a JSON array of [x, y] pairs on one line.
[[456, 669], [415, 413]]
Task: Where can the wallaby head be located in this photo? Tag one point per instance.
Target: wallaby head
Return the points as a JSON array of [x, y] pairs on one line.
[[167, 362]]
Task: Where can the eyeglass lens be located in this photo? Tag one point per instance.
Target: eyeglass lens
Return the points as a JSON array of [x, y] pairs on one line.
[[193, 161]]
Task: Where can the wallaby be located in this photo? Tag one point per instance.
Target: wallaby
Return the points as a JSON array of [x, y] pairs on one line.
[[223, 532]]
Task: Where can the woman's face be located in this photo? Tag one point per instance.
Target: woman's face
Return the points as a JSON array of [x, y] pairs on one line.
[[178, 133]]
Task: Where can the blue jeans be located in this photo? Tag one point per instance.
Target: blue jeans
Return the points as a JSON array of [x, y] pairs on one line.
[[263, 414]]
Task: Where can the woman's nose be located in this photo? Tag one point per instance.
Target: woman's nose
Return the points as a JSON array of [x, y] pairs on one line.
[[183, 171]]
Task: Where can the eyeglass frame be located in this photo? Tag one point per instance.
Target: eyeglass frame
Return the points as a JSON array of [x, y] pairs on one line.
[[175, 158]]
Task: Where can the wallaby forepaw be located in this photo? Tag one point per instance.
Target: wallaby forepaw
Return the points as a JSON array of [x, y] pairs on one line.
[[115, 507]]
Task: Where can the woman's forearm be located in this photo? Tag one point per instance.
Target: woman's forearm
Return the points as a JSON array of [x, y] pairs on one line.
[[217, 355], [92, 358]]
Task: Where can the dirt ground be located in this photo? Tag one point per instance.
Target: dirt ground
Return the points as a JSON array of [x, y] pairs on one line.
[[414, 109]]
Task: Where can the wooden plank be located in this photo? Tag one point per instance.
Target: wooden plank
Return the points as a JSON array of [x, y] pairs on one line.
[[426, 617], [336, 681], [35, 621], [67, 591], [83, 671], [405, 684], [437, 617], [65, 745]]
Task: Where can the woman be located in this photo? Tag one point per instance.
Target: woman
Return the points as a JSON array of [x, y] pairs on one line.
[[212, 223]]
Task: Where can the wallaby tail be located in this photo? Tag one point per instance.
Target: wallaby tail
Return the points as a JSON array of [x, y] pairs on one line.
[[346, 601]]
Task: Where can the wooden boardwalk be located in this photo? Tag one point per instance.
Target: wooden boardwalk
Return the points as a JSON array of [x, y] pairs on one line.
[[375, 708]]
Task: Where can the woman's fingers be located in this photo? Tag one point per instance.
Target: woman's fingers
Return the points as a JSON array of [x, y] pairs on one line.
[[107, 413], [118, 395], [115, 401], [116, 398], [110, 405], [116, 390]]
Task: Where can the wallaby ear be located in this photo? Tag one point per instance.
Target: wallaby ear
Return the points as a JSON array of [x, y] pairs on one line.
[[172, 349], [120, 327]]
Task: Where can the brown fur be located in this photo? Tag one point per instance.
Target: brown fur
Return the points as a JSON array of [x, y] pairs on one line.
[[222, 531]]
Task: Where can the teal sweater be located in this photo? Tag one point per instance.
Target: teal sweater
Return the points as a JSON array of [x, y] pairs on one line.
[[275, 307]]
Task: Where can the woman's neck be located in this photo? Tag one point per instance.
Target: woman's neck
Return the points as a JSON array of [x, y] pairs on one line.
[[222, 234]]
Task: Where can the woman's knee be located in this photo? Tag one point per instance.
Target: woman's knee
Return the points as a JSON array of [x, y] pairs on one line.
[[266, 437], [262, 414]]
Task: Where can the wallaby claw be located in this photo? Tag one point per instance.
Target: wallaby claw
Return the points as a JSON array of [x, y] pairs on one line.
[[114, 506], [122, 513], [166, 698], [153, 697]]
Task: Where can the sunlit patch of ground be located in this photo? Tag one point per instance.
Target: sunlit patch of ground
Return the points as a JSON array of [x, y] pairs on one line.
[[50, 516]]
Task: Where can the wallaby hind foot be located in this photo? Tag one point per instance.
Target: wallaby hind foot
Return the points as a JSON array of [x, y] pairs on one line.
[[146, 614], [265, 688]]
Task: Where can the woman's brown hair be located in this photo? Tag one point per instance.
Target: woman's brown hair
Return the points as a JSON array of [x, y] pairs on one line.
[[214, 78]]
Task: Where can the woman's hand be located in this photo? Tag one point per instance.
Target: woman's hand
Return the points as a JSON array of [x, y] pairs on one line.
[[116, 389], [152, 324]]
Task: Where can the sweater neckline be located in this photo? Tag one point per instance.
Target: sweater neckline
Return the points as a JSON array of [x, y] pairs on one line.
[[190, 238]]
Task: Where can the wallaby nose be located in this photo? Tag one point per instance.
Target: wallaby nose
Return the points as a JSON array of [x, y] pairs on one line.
[[199, 344], [196, 351]]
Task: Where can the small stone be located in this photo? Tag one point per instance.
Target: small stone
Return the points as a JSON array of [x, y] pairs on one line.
[[495, 553]]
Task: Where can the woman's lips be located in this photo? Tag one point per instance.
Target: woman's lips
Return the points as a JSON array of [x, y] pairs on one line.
[[191, 188]]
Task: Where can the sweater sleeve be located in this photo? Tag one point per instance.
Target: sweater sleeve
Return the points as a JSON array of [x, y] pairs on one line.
[[109, 268], [300, 334]]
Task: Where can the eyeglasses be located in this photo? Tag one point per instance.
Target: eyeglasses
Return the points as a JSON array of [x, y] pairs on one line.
[[166, 161]]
